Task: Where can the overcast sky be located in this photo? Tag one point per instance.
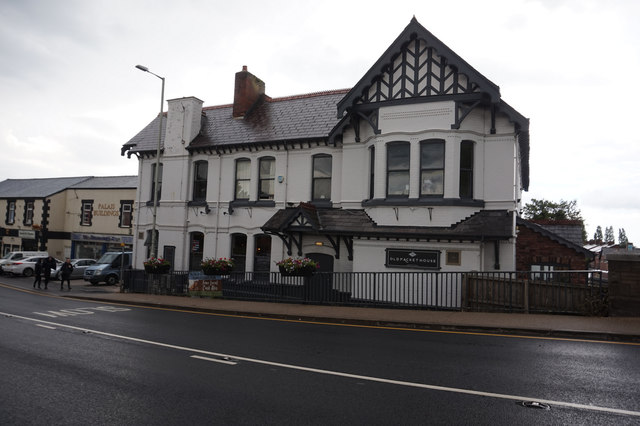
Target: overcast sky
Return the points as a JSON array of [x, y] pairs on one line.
[[70, 95]]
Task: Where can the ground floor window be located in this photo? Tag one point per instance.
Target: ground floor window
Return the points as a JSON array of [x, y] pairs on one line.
[[94, 250], [169, 253], [239, 251], [542, 272], [262, 259], [196, 249]]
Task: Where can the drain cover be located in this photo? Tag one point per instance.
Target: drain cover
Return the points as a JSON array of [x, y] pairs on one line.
[[534, 404]]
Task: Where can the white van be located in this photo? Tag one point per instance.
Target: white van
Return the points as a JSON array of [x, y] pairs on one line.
[[12, 256]]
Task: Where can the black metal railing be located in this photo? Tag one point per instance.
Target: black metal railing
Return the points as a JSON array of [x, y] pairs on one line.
[[173, 283], [574, 292]]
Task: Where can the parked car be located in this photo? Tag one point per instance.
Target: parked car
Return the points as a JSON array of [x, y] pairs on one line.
[[107, 268], [14, 256], [25, 266], [79, 265]]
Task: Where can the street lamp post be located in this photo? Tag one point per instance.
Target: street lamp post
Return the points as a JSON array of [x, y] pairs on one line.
[[154, 238]]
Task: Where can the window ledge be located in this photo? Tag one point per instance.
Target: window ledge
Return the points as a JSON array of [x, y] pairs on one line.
[[321, 203], [257, 203], [195, 203], [400, 202]]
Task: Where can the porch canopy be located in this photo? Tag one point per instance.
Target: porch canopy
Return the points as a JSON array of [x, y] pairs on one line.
[[336, 224]]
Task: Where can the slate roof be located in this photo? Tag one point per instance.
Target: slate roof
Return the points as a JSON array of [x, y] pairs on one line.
[[288, 119], [147, 138], [486, 224], [41, 188], [571, 232], [37, 188], [108, 182], [555, 237]]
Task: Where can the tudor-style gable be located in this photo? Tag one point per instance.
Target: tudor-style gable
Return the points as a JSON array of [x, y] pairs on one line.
[[417, 64], [419, 68]]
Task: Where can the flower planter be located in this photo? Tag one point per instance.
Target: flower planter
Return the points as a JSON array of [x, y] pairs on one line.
[[221, 266], [215, 271], [302, 272], [157, 269]]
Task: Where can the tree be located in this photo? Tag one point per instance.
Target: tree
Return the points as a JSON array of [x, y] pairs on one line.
[[622, 237], [544, 209], [598, 235], [609, 238], [550, 210]]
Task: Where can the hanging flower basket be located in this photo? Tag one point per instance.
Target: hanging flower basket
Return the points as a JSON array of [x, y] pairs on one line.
[[297, 267], [157, 266], [222, 266]]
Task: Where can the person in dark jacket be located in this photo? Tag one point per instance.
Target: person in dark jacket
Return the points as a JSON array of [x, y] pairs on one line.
[[48, 264], [65, 274], [37, 271]]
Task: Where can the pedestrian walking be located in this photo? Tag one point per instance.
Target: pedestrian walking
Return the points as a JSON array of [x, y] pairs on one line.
[[37, 271], [47, 265], [65, 274]]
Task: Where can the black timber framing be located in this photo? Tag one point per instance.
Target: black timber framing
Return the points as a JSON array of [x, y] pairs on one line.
[[294, 238]]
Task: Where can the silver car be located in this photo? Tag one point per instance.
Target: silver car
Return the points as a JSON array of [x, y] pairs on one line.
[[79, 265], [26, 266]]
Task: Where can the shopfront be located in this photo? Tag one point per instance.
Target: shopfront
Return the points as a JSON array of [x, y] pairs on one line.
[[92, 246]]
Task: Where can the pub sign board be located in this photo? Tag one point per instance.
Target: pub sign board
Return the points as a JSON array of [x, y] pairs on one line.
[[407, 258]]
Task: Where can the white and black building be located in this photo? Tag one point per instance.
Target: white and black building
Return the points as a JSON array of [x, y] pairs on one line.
[[420, 165]]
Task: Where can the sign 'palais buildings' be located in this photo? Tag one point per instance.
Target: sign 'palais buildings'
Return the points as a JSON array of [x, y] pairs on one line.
[[421, 160]]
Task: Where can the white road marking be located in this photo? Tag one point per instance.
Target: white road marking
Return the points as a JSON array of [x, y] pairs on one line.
[[81, 311], [46, 326], [341, 374], [221, 361]]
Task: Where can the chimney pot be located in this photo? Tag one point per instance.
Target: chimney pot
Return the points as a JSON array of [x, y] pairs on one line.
[[244, 68]]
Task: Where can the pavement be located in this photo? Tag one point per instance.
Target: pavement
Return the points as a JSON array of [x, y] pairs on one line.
[[618, 329]]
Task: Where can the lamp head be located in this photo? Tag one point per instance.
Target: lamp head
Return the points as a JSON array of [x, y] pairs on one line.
[[142, 68]]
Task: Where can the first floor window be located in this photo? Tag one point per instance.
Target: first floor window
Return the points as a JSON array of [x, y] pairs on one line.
[[243, 179], [321, 187], [398, 160], [28, 213], [157, 190], [126, 213], [86, 213], [372, 171], [267, 172], [200, 170], [432, 168], [466, 169], [11, 212]]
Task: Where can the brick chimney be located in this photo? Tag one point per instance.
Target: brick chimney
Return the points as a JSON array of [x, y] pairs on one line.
[[248, 91]]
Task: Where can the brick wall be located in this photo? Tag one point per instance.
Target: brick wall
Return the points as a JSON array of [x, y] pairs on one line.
[[624, 284], [534, 248]]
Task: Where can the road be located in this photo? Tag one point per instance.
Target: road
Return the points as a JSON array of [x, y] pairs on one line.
[[68, 361]]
